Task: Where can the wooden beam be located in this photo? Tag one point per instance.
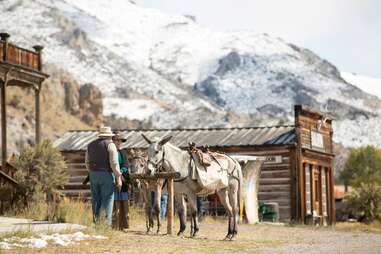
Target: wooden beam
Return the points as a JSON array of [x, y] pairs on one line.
[[3, 125], [165, 175], [332, 196], [5, 174], [38, 114], [170, 211]]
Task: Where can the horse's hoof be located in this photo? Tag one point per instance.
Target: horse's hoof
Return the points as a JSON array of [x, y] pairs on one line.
[[180, 233], [195, 233], [233, 238], [228, 237]]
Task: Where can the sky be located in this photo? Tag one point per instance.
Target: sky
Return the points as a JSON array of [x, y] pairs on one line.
[[345, 32]]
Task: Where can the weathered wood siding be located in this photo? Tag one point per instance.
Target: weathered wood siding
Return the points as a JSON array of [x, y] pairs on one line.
[[315, 167], [275, 183], [19, 56], [78, 172]]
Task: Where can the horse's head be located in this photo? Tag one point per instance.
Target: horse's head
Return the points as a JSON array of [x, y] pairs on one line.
[[138, 162], [155, 154]]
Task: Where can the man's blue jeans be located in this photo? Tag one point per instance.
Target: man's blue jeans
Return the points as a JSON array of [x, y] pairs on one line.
[[163, 205], [102, 194]]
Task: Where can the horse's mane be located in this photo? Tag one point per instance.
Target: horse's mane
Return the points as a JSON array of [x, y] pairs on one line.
[[174, 147]]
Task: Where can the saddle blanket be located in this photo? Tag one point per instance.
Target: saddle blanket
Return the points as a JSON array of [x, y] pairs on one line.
[[212, 177]]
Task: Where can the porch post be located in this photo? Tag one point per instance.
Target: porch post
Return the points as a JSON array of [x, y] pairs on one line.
[[37, 108], [170, 210], [4, 155]]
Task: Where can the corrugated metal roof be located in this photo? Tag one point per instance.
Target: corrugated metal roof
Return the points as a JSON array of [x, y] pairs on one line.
[[214, 137]]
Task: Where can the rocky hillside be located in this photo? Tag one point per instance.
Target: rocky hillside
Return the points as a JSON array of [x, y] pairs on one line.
[[167, 71], [65, 105]]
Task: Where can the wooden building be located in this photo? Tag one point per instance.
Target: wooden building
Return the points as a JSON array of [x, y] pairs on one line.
[[18, 67], [297, 172]]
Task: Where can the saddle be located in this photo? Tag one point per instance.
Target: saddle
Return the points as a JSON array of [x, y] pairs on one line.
[[209, 168], [204, 156]]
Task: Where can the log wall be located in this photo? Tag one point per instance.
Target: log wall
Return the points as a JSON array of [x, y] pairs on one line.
[[275, 184]]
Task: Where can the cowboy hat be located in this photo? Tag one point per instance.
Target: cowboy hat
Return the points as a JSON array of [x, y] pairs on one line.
[[105, 131], [119, 136]]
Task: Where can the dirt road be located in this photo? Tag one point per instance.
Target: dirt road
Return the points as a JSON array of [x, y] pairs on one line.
[[252, 239]]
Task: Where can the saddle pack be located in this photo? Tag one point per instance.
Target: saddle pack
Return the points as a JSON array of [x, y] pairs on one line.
[[210, 169]]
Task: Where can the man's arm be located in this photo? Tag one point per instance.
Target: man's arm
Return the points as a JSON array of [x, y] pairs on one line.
[[114, 162]]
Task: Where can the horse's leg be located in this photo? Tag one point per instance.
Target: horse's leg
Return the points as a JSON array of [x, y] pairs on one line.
[[233, 198], [182, 212], [224, 198], [194, 219], [148, 208], [157, 207]]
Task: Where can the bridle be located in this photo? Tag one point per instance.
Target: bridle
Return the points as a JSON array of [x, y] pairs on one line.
[[159, 166]]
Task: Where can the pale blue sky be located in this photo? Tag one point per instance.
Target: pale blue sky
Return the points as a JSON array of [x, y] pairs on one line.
[[345, 32]]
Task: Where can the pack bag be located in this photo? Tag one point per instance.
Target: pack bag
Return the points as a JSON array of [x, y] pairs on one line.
[[213, 174]]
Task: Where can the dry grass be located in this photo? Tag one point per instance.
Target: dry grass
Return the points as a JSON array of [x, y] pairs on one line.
[[252, 238], [374, 227]]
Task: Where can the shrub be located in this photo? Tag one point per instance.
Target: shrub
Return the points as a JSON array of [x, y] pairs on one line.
[[365, 202], [41, 172], [363, 172], [15, 101]]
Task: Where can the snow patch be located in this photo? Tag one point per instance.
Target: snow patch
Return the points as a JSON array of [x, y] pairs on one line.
[[133, 109], [43, 240], [367, 84]]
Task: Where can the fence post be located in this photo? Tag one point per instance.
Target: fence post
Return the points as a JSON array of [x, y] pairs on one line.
[[170, 211]]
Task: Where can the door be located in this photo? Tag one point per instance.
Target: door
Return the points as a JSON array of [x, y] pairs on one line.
[[317, 191]]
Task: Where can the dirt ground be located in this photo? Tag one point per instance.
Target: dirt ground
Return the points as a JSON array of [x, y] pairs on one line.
[[251, 239]]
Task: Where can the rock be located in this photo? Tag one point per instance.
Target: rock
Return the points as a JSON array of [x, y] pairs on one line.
[[90, 102], [208, 87], [228, 63], [71, 97], [345, 111]]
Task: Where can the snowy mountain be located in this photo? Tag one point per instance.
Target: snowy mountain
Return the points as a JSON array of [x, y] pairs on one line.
[[367, 84], [171, 72]]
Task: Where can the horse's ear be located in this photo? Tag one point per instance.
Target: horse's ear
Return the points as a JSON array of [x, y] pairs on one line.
[[165, 140], [147, 139]]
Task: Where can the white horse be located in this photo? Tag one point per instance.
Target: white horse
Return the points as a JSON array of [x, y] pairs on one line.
[[138, 163], [163, 156]]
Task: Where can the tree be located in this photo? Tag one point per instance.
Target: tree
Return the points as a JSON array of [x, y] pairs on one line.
[[362, 166], [363, 172]]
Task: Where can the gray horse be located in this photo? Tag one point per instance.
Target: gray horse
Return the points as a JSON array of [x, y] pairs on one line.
[[163, 156], [138, 162]]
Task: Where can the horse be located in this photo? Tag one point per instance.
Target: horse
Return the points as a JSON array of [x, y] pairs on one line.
[[163, 156], [138, 162]]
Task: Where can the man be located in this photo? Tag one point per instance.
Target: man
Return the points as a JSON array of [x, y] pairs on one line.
[[121, 195], [102, 164]]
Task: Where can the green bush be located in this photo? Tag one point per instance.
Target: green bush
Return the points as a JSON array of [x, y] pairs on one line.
[[41, 172], [363, 172], [365, 202], [363, 166]]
